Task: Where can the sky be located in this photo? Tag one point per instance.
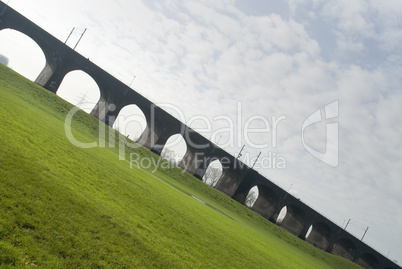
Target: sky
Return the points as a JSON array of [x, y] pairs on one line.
[[319, 79]]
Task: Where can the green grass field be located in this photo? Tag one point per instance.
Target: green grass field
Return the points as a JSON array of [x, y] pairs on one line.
[[66, 207]]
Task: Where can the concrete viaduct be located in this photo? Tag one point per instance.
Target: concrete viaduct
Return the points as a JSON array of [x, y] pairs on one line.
[[237, 179]]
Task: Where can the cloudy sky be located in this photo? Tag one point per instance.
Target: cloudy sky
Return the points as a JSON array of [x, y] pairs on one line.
[[262, 60]]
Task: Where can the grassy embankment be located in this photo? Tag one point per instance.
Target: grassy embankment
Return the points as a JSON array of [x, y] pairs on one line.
[[66, 207]]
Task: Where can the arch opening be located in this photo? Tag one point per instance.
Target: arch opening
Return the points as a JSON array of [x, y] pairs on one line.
[[174, 149], [213, 173], [252, 196], [80, 89], [21, 53], [309, 231], [130, 122], [281, 215]]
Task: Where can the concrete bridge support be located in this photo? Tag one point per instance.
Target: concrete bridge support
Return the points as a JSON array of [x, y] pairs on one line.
[[345, 248], [266, 203], [229, 180], [368, 261], [158, 129], [196, 156], [163, 136], [295, 220], [233, 170], [320, 235]]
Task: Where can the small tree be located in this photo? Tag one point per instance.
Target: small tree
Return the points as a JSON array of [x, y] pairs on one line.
[[170, 155], [212, 176]]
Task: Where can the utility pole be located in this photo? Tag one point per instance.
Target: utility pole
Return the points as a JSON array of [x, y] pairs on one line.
[[364, 233], [238, 156], [347, 224], [69, 35], [80, 38], [286, 194], [128, 88], [256, 160], [82, 99], [131, 81], [290, 187]]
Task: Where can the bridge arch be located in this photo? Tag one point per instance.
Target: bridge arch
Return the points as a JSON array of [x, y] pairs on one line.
[[80, 89], [319, 235], [23, 53], [266, 202], [213, 173], [368, 261], [294, 220], [344, 248], [130, 122], [174, 149], [52, 56], [229, 181], [153, 128]]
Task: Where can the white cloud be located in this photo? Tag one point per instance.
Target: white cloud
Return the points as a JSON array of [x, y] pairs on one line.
[[357, 23]]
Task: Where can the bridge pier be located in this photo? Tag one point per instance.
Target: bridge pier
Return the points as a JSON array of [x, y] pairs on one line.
[[102, 111], [266, 203], [151, 133], [306, 226], [233, 174], [49, 78], [167, 131], [249, 181], [207, 161]]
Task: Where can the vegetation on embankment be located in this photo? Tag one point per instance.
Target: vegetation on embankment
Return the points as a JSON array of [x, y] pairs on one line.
[[62, 206]]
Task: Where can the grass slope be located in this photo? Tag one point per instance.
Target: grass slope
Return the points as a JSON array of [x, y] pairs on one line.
[[68, 207]]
